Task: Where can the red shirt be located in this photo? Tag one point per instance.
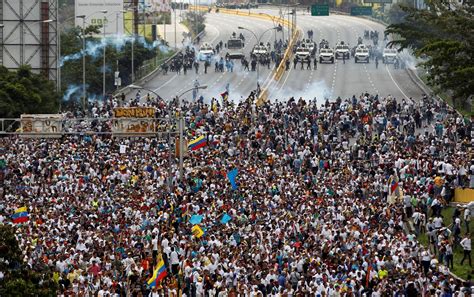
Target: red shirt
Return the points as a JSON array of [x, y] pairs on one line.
[[94, 269]]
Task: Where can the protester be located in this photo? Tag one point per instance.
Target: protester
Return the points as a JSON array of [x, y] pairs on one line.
[[320, 203]]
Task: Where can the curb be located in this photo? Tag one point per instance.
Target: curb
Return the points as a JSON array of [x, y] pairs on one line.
[[417, 81]]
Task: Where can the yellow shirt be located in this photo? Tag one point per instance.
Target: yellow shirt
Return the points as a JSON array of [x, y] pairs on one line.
[[72, 276], [383, 273]]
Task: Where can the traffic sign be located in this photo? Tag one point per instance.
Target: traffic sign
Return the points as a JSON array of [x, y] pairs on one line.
[[361, 10], [320, 10], [379, 1]]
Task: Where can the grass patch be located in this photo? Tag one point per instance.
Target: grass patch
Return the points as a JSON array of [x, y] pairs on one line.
[[462, 271]]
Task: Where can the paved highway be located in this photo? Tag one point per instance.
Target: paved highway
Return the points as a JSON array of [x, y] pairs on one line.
[[329, 80], [342, 79], [241, 83]]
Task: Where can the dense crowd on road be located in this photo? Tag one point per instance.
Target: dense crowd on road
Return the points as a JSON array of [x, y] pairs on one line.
[[314, 212]]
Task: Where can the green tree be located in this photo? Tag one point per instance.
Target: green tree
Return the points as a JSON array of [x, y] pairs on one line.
[[443, 37], [19, 279], [23, 91], [118, 53]]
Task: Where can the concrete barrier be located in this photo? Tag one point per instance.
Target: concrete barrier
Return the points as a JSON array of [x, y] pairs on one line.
[[278, 73]]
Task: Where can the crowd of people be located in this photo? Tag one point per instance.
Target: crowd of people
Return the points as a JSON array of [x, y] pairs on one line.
[[328, 201]]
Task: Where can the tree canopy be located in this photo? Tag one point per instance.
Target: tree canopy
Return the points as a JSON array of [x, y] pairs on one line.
[[23, 91], [19, 279], [118, 57], [443, 36]]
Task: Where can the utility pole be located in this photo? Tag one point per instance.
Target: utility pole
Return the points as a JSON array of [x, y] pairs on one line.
[[84, 95], [133, 47], [103, 60], [175, 38]]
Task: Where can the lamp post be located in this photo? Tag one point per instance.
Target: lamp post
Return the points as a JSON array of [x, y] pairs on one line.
[[1, 28], [258, 43], [170, 153], [83, 17], [181, 129], [293, 23], [175, 37], [58, 61], [133, 9], [273, 21], [104, 20]]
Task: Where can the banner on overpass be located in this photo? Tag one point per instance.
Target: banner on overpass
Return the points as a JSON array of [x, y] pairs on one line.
[[41, 125], [361, 10], [134, 121]]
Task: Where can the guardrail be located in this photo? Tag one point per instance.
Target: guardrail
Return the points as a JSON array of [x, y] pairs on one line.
[[278, 73]]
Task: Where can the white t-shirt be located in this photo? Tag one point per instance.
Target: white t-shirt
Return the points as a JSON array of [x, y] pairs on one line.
[[467, 215], [164, 243], [174, 259], [466, 244], [438, 222]]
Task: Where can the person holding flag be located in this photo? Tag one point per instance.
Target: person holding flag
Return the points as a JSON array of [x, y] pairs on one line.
[[195, 90], [20, 215], [159, 274]]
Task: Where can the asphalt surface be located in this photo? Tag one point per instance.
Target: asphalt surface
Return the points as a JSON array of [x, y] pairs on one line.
[[327, 81], [241, 83]]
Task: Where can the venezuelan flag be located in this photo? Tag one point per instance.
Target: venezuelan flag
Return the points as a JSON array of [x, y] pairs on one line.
[[197, 143], [393, 185], [225, 95], [158, 274], [20, 215]]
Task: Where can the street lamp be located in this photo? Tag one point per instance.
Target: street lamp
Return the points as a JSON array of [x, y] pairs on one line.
[[293, 23], [83, 17], [258, 43], [58, 61], [181, 129], [103, 60], [169, 183], [273, 21], [133, 8]]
